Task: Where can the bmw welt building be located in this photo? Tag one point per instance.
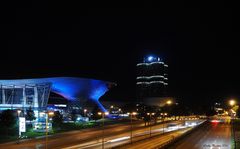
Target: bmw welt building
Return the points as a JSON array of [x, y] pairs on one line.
[[34, 93]]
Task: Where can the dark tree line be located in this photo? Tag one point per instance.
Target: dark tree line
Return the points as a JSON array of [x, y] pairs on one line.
[[57, 119], [8, 122]]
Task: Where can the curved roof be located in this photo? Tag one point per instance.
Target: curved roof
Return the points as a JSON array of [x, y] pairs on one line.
[[68, 87]]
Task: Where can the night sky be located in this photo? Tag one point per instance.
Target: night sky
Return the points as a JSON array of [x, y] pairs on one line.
[[199, 44]]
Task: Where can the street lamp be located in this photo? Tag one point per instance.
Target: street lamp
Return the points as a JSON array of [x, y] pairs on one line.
[[169, 102], [232, 102], [131, 114], [46, 127], [19, 132], [18, 111], [163, 116], [103, 115], [85, 110], [150, 114], [119, 111]]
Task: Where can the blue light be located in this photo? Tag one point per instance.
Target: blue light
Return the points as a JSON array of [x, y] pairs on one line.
[[69, 87], [98, 89], [150, 58]]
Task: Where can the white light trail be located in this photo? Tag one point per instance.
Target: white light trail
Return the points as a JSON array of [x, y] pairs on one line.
[[119, 139]]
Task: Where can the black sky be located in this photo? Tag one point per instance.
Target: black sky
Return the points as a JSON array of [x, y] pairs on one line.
[[200, 44]]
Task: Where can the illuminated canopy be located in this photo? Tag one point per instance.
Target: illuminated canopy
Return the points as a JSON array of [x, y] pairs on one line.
[[69, 87]]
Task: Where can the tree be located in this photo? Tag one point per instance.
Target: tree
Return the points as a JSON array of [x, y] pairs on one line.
[[95, 115], [74, 115], [57, 119], [238, 113], [129, 107], [142, 113], [30, 115], [7, 120], [146, 119]]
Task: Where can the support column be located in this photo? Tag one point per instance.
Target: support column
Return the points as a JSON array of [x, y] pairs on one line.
[[24, 97], [3, 96], [35, 101]]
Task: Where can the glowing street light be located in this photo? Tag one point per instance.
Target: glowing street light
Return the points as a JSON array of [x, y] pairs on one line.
[[169, 102], [51, 113], [232, 102], [85, 110], [18, 111], [103, 115]]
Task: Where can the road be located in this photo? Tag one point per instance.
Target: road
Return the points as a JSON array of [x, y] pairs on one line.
[[80, 137], [211, 136], [155, 141], [141, 134]]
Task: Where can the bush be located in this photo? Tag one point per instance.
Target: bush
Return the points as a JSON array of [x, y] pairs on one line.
[[57, 119], [8, 122]]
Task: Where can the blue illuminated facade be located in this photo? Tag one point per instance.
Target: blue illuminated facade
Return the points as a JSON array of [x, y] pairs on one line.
[[35, 92]]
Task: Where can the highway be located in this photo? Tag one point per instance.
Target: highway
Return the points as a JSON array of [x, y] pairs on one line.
[[154, 142], [158, 140], [211, 136], [83, 137], [141, 134]]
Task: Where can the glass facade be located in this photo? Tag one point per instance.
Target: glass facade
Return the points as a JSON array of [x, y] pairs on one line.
[[24, 96], [34, 93]]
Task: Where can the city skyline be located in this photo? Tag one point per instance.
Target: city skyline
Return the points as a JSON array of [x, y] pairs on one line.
[[116, 74], [200, 51]]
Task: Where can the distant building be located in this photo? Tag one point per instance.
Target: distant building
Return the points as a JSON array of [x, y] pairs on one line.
[[152, 78]]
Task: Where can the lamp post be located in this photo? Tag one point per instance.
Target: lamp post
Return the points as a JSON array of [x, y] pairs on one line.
[[232, 103], [163, 116], [85, 110], [119, 111], [103, 116], [46, 126], [19, 132], [150, 114], [131, 116]]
